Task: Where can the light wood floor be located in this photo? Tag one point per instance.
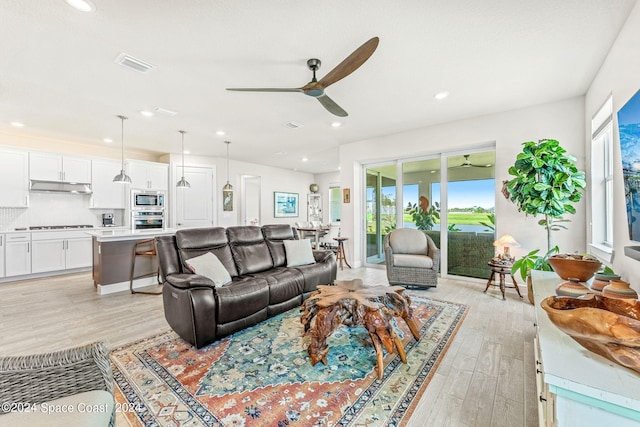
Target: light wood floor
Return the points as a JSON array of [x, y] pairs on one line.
[[487, 377]]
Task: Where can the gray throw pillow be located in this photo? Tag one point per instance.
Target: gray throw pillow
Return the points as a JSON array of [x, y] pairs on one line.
[[298, 252], [209, 266]]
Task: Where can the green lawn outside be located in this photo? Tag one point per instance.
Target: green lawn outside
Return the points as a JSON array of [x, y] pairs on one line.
[[460, 218]]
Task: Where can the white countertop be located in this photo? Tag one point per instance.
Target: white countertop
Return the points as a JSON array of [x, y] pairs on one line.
[[119, 234], [570, 368]]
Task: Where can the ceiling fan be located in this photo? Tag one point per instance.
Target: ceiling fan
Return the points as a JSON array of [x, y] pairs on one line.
[[467, 164], [316, 88]]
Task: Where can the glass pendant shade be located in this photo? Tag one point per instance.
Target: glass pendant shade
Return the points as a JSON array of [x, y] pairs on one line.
[[183, 183], [122, 177]]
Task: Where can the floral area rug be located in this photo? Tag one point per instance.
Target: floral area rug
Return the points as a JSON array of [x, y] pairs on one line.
[[262, 376]]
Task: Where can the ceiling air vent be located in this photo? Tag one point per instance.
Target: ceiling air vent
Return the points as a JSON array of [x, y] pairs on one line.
[[129, 61], [165, 111], [293, 125]]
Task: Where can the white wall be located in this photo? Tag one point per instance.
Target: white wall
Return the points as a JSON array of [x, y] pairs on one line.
[[271, 179], [563, 120], [619, 76]]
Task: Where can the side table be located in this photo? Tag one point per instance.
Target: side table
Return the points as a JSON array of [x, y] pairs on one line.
[[502, 270], [340, 256]]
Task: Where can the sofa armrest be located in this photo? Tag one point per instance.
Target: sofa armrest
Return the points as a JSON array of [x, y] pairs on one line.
[[186, 281], [322, 255]]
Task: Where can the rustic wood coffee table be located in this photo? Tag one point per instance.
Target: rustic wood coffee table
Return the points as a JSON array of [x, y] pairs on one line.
[[350, 303]]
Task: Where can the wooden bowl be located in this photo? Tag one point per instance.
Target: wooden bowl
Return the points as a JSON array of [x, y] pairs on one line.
[[570, 268], [606, 326]]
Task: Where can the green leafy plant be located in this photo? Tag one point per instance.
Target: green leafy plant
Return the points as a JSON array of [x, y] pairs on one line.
[[452, 227], [491, 225], [533, 261], [546, 182], [425, 219]]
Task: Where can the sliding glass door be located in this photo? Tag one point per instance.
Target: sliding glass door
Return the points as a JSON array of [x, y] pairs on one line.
[[380, 209], [454, 206]]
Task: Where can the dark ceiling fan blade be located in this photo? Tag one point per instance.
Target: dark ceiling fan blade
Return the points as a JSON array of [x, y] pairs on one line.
[[265, 89], [350, 63], [331, 106]]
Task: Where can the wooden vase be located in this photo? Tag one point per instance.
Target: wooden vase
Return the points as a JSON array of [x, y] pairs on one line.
[[619, 289]]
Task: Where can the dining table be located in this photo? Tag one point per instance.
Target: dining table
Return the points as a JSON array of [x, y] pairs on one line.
[[317, 232]]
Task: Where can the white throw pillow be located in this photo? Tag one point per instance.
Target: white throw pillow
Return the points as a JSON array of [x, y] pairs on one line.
[[298, 252], [209, 266]]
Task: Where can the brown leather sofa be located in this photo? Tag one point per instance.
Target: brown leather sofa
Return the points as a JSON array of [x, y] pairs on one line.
[[261, 287]]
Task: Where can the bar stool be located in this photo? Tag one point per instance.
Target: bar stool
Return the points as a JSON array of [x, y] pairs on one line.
[[143, 248], [340, 256]]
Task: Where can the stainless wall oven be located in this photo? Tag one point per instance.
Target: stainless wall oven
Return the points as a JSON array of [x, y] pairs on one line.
[[147, 209], [147, 219]]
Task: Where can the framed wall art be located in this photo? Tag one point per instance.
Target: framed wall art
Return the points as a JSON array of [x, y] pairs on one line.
[[285, 205]]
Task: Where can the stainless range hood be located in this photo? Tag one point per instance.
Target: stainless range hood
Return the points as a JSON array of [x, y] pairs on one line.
[[59, 187]]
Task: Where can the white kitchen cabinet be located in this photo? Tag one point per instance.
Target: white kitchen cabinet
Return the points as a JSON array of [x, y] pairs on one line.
[[47, 255], [79, 253], [60, 250], [106, 193], [14, 175], [54, 167], [2, 244], [148, 175], [17, 254]]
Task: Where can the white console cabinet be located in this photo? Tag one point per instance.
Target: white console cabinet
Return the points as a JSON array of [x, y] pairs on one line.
[[576, 386]]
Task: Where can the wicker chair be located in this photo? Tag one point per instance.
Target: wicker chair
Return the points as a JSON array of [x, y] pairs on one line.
[[412, 258], [78, 377]]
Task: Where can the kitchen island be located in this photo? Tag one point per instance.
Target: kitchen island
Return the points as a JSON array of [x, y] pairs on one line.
[[113, 253]]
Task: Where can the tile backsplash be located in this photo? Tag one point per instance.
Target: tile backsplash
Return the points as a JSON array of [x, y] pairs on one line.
[[55, 209]]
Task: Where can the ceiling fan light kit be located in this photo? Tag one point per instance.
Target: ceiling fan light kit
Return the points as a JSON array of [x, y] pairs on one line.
[[316, 89], [468, 164]]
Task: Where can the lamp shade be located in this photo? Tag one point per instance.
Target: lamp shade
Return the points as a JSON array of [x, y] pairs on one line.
[[506, 241]]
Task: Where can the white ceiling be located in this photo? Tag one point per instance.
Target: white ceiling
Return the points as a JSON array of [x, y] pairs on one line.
[[58, 75]]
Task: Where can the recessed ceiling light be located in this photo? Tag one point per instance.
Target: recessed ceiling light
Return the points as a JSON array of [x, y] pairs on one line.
[[146, 113], [82, 5], [220, 132], [108, 140], [336, 124], [187, 152], [441, 95], [304, 159], [17, 124]]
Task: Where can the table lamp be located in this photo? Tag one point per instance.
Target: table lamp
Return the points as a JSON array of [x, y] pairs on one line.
[[506, 241]]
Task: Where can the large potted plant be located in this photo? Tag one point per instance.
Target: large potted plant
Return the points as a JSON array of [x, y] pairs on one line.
[[546, 182]]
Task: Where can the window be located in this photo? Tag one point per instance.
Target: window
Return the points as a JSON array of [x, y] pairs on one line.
[[335, 203], [602, 178]]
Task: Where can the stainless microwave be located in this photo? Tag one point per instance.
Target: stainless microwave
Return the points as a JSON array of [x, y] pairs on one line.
[[147, 199]]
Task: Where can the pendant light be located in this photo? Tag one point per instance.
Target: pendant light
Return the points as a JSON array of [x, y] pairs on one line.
[[227, 186], [122, 177], [183, 183]]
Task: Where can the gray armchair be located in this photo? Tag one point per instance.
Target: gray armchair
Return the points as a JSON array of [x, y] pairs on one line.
[[79, 377], [412, 258]]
